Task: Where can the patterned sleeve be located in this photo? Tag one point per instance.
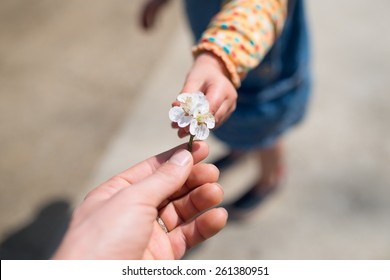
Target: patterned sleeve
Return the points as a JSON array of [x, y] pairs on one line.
[[242, 33]]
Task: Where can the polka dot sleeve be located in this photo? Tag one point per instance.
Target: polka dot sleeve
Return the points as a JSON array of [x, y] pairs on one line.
[[242, 33]]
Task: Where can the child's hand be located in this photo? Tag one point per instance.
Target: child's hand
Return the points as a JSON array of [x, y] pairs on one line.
[[209, 75]]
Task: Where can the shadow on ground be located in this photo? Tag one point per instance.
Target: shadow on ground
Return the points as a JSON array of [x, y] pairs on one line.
[[38, 239]]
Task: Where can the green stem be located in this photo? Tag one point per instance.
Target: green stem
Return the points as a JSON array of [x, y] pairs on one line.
[[190, 143]]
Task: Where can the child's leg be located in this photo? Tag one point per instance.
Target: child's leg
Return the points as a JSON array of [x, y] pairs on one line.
[[272, 165]]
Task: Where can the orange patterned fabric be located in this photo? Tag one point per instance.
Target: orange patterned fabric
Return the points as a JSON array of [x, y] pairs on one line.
[[242, 33]]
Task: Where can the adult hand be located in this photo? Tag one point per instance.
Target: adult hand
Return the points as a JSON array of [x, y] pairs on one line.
[[117, 220], [209, 75]]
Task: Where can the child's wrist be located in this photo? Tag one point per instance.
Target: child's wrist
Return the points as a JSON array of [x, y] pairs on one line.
[[211, 59]]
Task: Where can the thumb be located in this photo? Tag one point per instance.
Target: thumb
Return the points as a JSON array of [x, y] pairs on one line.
[[167, 179]]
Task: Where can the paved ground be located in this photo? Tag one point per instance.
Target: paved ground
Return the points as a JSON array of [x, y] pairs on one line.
[[79, 81]]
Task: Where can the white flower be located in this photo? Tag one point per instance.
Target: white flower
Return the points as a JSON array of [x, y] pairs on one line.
[[193, 111], [202, 122]]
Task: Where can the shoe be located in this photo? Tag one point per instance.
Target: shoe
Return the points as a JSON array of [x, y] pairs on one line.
[[248, 203], [228, 160]]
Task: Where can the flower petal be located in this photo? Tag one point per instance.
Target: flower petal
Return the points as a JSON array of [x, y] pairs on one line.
[[183, 96], [184, 121], [204, 108], [210, 121], [193, 127], [199, 130], [201, 102], [176, 113], [202, 132]]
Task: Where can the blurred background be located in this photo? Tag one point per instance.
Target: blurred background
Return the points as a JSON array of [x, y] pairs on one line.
[[84, 94]]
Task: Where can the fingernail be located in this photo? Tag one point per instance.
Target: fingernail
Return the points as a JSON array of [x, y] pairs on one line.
[[181, 158]]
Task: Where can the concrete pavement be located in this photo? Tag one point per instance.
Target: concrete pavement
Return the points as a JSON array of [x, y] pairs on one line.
[[335, 203]]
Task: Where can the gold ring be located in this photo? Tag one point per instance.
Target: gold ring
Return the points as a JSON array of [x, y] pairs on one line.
[[162, 224]]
